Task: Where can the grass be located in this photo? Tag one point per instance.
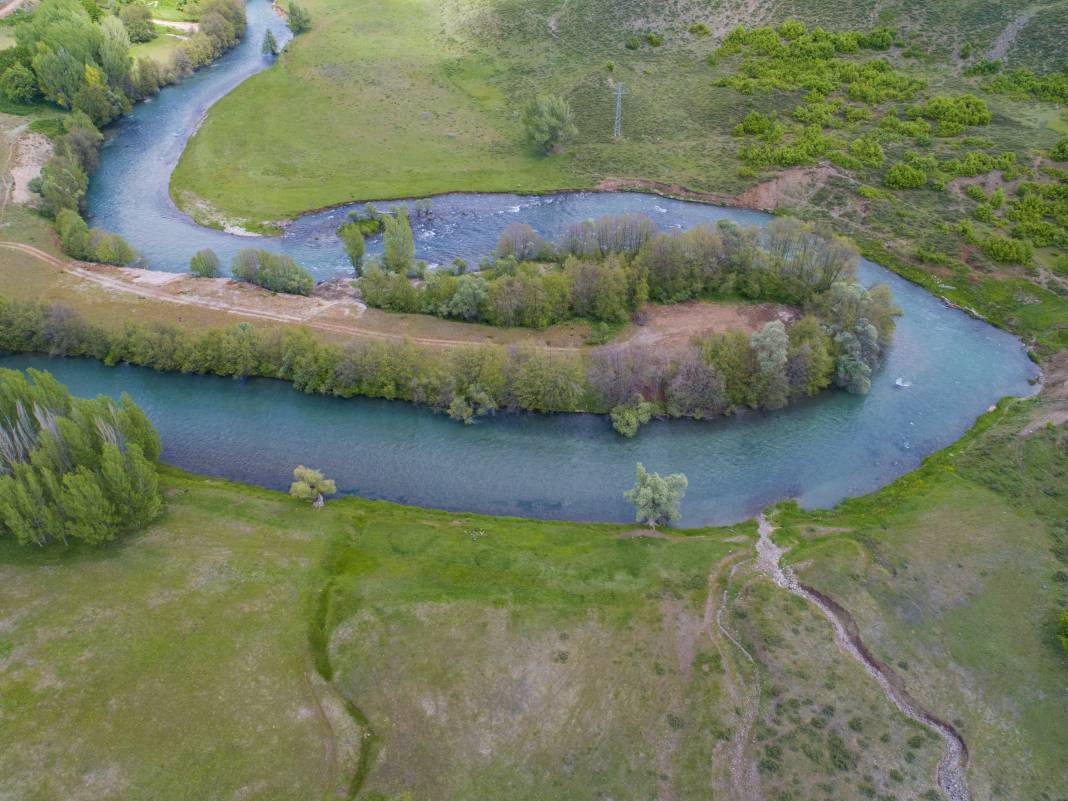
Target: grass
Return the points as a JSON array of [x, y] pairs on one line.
[[948, 575], [161, 48], [460, 655]]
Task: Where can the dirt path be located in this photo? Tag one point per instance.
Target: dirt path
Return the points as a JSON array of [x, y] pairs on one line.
[[184, 27], [744, 694], [11, 7], [1007, 39], [154, 291], [951, 778]]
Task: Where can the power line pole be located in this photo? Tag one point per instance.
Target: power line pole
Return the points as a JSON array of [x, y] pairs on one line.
[[617, 131]]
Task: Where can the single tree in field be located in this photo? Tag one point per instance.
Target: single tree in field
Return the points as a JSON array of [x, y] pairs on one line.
[[656, 498], [352, 237], [299, 19], [311, 485], [270, 44], [548, 123], [398, 242], [204, 264]]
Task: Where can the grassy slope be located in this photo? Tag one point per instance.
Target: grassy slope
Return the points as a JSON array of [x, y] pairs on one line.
[[949, 577], [421, 96]]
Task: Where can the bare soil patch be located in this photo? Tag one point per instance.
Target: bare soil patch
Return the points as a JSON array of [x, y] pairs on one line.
[[29, 155], [676, 326]]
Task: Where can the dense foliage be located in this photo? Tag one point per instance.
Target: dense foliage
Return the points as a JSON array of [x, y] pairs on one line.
[[548, 123], [83, 63], [274, 271], [606, 269], [72, 469]]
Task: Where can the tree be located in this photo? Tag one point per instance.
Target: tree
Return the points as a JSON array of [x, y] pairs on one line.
[[115, 51], [270, 44], [311, 485], [351, 234], [204, 264], [548, 123], [398, 242], [18, 84], [299, 19], [138, 21], [656, 498]]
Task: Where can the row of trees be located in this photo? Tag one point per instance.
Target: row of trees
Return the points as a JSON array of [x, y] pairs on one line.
[[606, 269], [62, 185], [840, 342], [72, 469]]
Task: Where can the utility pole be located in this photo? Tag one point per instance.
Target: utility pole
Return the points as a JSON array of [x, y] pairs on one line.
[[617, 131]]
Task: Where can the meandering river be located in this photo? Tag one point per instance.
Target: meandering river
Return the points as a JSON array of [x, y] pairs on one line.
[[572, 467]]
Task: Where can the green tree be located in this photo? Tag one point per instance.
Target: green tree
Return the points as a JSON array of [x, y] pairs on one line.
[[351, 234], [18, 84], [311, 485], [204, 264], [137, 18], [299, 19], [548, 123], [270, 44], [115, 51], [398, 242], [656, 498], [113, 249]]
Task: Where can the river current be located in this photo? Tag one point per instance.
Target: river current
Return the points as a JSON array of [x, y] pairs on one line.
[[943, 370]]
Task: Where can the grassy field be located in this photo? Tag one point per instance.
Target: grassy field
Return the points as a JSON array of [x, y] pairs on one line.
[[161, 48], [257, 648]]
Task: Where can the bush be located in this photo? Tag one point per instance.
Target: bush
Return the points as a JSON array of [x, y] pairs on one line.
[[299, 19], [654, 39], [18, 84], [112, 249], [204, 264], [905, 176], [548, 123], [700, 30], [1007, 251], [632, 42], [74, 235], [272, 271], [137, 19], [1060, 150]]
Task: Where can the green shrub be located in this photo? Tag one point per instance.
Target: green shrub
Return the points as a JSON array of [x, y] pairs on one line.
[[113, 249], [654, 39], [905, 176], [975, 192], [1060, 150], [1007, 251], [632, 42], [74, 235], [18, 84], [984, 213], [868, 150], [204, 264], [1064, 631], [792, 29], [274, 272], [700, 30]]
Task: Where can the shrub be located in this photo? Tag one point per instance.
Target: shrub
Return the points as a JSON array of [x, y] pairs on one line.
[[792, 29], [112, 249], [700, 30], [274, 272], [137, 19], [548, 123], [1060, 150], [74, 235], [1007, 251], [299, 19], [654, 39], [632, 42], [868, 150], [905, 176], [18, 84], [204, 264]]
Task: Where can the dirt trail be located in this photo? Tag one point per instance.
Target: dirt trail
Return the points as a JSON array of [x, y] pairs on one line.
[[11, 7], [950, 777], [1007, 39], [745, 695]]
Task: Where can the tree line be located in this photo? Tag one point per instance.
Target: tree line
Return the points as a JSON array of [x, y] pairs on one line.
[[72, 469], [839, 341], [605, 270]]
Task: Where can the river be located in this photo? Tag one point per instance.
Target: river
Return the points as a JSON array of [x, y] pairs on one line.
[[571, 467]]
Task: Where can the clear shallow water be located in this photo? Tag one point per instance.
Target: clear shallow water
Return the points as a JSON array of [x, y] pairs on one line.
[[571, 467]]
